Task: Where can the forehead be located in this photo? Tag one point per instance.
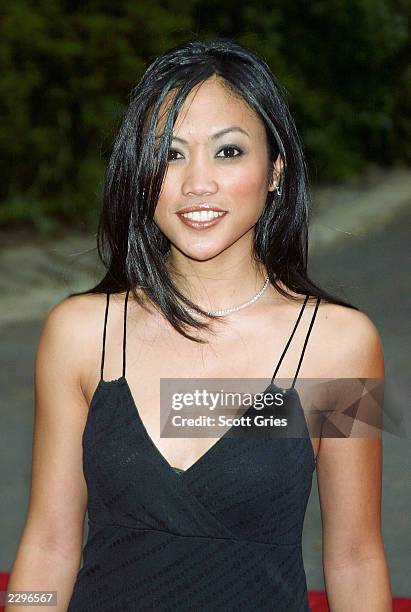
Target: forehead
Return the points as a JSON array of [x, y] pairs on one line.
[[210, 107]]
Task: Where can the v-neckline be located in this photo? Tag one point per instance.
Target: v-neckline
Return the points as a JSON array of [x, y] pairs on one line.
[[122, 380], [206, 455]]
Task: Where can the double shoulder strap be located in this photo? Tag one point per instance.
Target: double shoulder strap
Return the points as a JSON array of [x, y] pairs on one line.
[[278, 364], [305, 341]]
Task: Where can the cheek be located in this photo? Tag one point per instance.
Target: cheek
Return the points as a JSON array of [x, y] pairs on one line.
[[245, 187], [248, 195], [168, 200], [162, 212]]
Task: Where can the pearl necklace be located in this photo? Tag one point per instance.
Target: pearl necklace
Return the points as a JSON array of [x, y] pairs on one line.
[[225, 311]]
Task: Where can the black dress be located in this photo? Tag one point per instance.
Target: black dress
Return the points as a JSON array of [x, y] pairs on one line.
[[223, 535]]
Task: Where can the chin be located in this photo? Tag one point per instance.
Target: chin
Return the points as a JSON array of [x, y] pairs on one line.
[[201, 255]]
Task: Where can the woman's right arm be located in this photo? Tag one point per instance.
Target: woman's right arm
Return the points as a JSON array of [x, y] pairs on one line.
[[49, 552]]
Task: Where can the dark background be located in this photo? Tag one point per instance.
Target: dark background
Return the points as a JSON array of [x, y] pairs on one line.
[[66, 69]]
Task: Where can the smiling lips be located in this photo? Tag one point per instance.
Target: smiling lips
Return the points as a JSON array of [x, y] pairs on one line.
[[201, 218]]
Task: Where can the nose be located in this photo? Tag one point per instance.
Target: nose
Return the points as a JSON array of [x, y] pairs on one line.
[[198, 179]]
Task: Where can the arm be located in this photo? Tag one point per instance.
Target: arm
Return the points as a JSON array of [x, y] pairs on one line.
[[349, 474], [49, 552]]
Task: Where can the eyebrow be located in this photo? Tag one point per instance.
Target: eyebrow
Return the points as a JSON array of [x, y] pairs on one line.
[[234, 128]]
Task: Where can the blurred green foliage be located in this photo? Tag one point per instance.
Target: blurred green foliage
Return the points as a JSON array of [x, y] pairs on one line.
[[67, 69]]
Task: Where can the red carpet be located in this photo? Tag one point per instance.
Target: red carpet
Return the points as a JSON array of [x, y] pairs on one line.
[[318, 603], [317, 599]]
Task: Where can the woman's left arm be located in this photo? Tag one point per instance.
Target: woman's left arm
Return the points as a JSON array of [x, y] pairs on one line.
[[349, 475]]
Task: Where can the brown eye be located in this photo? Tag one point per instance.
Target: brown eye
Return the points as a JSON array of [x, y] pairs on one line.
[[172, 152], [231, 148]]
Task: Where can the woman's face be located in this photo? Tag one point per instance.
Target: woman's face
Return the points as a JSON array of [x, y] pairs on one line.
[[209, 169]]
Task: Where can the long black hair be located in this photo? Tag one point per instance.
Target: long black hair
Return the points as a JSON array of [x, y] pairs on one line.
[[132, 247]]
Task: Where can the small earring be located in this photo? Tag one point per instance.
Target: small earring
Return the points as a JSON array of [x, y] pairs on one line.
[[278, 190]]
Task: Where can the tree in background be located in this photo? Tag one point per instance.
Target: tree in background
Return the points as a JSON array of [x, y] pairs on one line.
[[68, 67], [346, 67]]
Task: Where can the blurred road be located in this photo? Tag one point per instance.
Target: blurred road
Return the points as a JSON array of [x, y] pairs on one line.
[[370, 270], [373, 273]]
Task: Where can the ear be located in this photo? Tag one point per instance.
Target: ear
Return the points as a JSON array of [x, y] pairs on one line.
[[276, 173]]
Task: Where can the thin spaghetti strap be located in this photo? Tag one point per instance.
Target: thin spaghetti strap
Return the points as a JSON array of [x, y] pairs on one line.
[[306, 339], [290, 338], [125, 333], [104, 336]]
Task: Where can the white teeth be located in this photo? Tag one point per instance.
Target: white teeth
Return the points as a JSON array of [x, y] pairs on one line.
[[202, 215]]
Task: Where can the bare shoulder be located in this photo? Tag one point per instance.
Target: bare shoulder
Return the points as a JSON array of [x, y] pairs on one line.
[[71, 332], [76, 309], [351, 341], [75, 316]]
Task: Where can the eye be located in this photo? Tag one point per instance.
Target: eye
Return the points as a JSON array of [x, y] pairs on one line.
[[231, 148], [173, 152]]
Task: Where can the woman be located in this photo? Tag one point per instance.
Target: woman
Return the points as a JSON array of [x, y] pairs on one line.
[[205, 211]]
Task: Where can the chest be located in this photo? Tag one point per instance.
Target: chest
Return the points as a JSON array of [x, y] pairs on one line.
[[153, 357]]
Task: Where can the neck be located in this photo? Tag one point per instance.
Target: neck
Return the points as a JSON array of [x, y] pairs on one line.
[[221, 282]]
